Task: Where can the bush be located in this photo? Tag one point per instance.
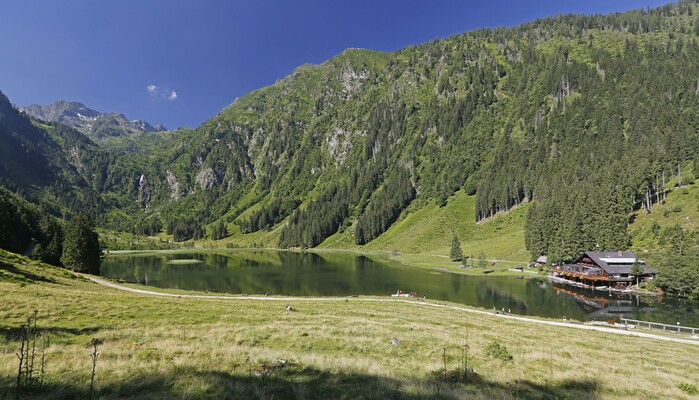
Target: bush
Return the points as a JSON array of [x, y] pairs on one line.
[[649, 285], [688, 388], [498, 351]]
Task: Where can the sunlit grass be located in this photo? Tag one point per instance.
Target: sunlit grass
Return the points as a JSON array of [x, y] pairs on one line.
[[428, 230], [680, 208]]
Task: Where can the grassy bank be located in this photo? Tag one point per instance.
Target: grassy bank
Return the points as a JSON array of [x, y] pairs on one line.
[[443, 263], [207, 348]]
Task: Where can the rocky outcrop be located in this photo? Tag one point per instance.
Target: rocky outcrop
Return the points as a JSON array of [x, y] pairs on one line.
[[338, 142], [173, 184], [206, 178], [351, 80]]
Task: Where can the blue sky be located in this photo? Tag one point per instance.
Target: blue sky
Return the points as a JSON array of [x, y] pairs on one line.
[[179, 62]]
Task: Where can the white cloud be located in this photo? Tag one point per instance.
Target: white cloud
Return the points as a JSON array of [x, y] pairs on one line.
[[157, 92]]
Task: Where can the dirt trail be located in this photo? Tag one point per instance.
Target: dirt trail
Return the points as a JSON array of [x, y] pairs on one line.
[[411, 302]]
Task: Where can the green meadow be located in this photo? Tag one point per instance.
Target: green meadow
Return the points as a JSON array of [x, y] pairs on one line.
[[180, 347]]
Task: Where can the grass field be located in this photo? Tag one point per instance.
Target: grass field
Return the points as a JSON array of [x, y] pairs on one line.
[[208, 348]]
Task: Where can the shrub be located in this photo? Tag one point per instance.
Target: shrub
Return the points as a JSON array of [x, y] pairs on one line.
[[498, 351], [688, 388]]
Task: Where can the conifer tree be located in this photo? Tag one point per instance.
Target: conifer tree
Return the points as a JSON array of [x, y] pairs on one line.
[[482, 262], [456, 253], [51, 237], [81, 248], [636, 270], [138, 274]]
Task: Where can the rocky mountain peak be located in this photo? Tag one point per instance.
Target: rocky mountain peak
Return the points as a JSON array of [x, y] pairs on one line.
[[87, 120]]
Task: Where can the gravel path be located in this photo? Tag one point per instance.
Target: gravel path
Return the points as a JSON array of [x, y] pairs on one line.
[[411, 302]]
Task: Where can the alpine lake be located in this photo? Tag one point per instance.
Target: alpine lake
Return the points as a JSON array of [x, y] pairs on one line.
[[342, 274]]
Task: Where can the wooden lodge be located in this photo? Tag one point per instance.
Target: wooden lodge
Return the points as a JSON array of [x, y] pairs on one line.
[[602, 269]]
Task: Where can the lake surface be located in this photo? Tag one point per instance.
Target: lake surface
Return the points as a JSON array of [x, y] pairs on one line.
[[346, 274]]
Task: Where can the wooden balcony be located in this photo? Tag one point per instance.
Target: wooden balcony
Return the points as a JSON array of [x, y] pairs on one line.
[[579, 275], [584, 276]]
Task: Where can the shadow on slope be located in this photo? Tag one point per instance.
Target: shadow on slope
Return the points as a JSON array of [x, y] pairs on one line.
[[25, 275], [293, 383], [13, 334]]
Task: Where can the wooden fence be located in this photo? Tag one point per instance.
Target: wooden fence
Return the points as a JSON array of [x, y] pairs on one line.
[[656, 325]]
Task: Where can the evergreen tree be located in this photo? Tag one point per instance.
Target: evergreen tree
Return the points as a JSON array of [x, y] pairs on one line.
[[50, 248], [482, 262], [636, 270], [456, 253], [138, 274], [219, 231], [16, 223], [81, 248]]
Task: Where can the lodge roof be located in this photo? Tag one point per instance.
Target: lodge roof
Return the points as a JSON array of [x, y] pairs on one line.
[[615, 262]]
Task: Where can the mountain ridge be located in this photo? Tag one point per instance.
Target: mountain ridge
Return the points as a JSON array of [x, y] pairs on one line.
[[87, 120]]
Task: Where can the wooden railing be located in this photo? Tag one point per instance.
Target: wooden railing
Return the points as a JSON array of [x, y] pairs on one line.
[[656, 325], [581, 275]]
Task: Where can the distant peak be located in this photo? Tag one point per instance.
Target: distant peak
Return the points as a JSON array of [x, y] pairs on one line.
[[87, 120]]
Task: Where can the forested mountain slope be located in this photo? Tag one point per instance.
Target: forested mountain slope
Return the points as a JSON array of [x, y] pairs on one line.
[[49, 164], [581, 116]]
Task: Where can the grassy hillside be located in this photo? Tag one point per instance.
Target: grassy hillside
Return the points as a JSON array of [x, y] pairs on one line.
[[681, 208], [207, 348], [422, 237]]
